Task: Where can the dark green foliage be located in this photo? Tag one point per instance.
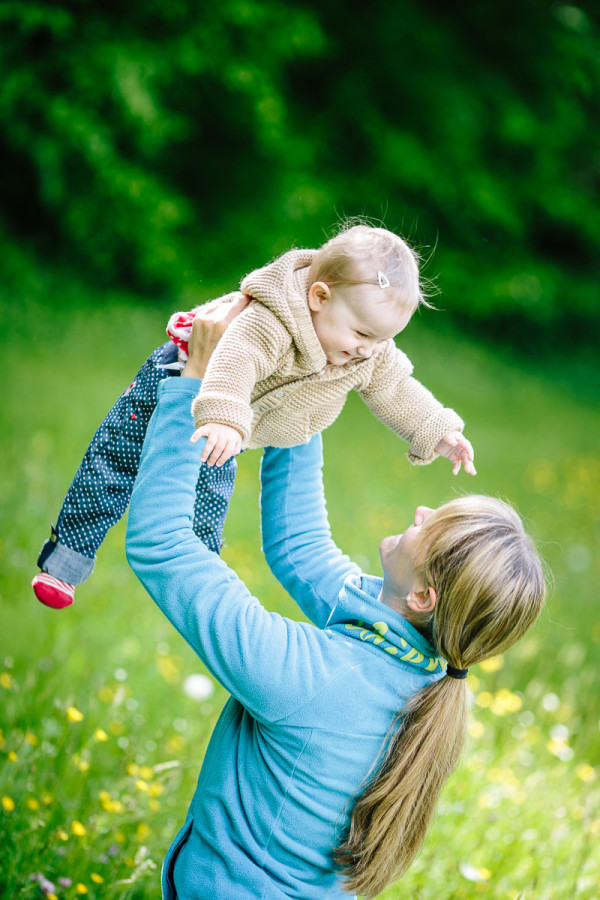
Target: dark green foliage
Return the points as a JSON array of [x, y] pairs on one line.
[[158, 143]]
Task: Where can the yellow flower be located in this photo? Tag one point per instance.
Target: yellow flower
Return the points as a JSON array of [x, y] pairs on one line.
[[505, 701], [78, 829], [595, 827], [156, 789], [142, 832], [32, 803], [97, 879], [116, 728], [104, 796], [62, 834], [80, 888], [46, 798], [8, 804], [100, 734], [31, 739], [154, 805], [142, 785], [133, 769], [12, 756], [119, 837], [476, 729], [51, 897], [493, 664], [585, 772], [106, 694], [113, 806], [74, 715], [485, 699], [168, 667], [147, 773], [175, 744], [81, 764], [7, 681]]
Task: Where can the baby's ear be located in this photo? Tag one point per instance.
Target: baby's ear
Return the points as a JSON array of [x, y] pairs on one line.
[[318, 295]]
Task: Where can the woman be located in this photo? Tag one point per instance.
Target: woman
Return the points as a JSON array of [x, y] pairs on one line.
[[325, 765]]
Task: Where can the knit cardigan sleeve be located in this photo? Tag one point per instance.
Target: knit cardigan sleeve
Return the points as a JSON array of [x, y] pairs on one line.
[[407, 407], [248, 352]]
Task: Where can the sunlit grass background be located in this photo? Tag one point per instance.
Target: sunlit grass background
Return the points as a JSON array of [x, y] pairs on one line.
[[101, 741]]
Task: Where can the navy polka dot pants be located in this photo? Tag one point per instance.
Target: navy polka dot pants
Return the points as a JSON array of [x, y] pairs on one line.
[[101, 490]]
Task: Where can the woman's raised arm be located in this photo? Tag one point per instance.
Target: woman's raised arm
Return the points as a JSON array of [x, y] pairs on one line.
[[296, 536], [259, 657]]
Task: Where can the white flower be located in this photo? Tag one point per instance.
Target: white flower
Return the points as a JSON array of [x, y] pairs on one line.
[[198, 687], [471, 873]]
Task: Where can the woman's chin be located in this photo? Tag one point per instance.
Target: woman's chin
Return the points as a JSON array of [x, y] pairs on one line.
[[388, 544]]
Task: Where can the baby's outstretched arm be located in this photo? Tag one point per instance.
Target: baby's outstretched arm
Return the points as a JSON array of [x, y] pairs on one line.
[[455, 447], [222, 442]]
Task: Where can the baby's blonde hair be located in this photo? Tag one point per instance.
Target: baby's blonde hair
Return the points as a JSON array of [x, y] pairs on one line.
[[490, 587], [363, 254]]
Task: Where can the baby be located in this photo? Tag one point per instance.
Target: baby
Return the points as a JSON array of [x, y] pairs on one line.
[[321, 323]]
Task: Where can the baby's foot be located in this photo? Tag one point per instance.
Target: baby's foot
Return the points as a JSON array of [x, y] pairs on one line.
[[52, 591]]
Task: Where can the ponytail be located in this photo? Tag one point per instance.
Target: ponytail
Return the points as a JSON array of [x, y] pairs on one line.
[[390, 819], [490, 589]]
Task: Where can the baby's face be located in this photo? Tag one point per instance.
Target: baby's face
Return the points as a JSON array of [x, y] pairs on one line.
[[353, 321]]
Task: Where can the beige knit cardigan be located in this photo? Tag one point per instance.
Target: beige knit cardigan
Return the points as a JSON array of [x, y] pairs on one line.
[[269, 377]]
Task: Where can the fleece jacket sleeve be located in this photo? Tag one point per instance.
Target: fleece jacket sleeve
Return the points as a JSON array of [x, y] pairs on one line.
[[269, 663], [297, 540]]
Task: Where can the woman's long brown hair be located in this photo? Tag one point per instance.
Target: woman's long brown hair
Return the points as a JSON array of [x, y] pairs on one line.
[[490, 588]]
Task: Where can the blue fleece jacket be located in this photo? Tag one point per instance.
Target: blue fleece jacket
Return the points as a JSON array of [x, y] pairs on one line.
[[310, 704]]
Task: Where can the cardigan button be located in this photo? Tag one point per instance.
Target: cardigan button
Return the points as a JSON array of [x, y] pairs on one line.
[[279, 393]]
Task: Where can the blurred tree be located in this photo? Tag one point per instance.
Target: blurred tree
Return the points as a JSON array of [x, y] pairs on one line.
[[154, 145]]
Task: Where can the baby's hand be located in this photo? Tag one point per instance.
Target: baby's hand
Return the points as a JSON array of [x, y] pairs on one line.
[[455, 447], [222, 442]]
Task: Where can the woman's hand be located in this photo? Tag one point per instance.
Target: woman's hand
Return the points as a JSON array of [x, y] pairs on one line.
[[455, 447], [207, 329]]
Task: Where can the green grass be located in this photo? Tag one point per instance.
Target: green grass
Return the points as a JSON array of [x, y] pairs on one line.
[[102, 797]]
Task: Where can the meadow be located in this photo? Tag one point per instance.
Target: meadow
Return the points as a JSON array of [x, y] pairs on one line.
[[105, 712]]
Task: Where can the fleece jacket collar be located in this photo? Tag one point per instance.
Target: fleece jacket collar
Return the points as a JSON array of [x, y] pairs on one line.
[[359, 614]]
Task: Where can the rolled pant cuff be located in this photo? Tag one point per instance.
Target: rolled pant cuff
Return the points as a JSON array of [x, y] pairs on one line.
[[64, 563]]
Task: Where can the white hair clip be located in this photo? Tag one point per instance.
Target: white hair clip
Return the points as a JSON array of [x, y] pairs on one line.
[[384, 281]]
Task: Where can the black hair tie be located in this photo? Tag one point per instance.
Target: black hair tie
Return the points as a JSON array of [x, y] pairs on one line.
[[456, 673]]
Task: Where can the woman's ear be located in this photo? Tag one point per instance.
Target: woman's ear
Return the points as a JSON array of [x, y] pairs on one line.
[[422, 601], [318, 295]]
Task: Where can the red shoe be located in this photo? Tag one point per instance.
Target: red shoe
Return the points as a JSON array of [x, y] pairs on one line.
[[52, 591]]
